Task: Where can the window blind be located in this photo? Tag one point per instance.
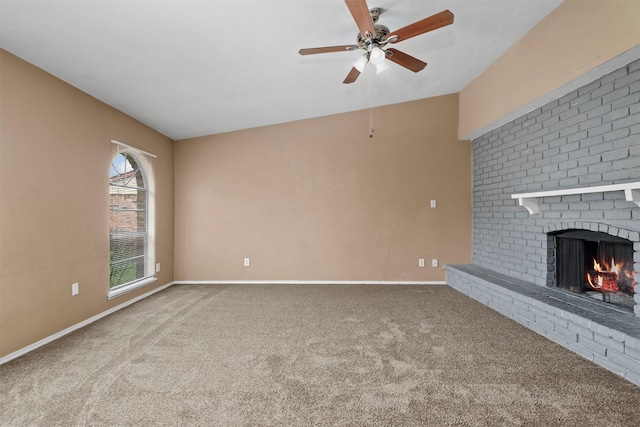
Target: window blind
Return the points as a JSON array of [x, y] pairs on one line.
[[130, 234]]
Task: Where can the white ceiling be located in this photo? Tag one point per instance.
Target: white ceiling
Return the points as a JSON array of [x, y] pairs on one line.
[[192, 68]]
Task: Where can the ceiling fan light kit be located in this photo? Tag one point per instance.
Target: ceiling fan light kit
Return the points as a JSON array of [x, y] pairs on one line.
[[377, 55], [381, 67], [373, 39], [360, 63]]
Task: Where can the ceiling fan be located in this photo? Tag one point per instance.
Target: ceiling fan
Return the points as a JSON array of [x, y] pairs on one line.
[[373, 38]]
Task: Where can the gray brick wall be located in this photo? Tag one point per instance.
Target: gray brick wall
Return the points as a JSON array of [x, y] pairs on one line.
[[604, 335], [589, 137]]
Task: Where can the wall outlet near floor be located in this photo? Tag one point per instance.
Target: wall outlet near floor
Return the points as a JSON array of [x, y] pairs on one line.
[[421, 262], [433, 203], [246, 262], [157, 267], [75, 289], [434, 262]]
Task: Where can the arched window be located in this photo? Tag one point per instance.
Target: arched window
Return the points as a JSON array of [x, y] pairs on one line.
[[131, 219]]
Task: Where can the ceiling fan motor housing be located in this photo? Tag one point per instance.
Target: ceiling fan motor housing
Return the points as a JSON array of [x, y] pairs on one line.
[[381, 33]]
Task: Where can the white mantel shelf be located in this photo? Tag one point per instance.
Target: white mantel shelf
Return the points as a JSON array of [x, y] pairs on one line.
[[530, 200]]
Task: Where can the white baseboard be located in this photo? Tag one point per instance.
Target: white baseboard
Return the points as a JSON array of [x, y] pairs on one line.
[[70, 329], [309, 282]]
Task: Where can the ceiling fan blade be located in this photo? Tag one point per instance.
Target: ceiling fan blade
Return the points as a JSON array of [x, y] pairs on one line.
[[431, 23], [360, 12], [352, 76], [407, 61], [327, 49]]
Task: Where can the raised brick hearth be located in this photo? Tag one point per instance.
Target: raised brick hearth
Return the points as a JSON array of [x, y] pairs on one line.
[[602, 333], [588, 137]]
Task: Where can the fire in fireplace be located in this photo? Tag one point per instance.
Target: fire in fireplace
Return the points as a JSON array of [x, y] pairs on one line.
[[611, 277], [595, 264]]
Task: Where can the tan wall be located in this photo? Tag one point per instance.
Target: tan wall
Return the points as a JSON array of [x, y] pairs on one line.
[[572, 40], [54, 156], [319, 200]]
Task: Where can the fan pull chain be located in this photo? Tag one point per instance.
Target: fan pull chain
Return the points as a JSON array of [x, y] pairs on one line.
[[371, 127]]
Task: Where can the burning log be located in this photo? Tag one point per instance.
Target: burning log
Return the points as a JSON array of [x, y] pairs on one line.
[[603, 281], [611, 277], [626, 285]]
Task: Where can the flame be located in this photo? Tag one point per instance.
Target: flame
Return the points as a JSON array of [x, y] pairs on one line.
[[596, 266], [611, 274], [613, 267]]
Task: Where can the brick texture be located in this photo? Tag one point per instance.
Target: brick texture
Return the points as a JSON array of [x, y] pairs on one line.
[[599, 333], [589, 137]]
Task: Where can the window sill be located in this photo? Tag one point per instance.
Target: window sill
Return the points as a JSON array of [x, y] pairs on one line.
[[131, 286]]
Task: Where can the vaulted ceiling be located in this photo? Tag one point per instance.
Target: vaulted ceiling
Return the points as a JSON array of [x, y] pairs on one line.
[[191, 68]]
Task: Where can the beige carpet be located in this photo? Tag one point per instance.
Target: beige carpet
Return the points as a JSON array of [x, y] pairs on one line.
[[324, 355]]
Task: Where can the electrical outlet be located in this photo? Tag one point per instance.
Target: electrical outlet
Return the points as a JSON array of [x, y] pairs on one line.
[[246, 262], [157, 267], [421, 262], [75, 289], [434, 262], [433, 203]]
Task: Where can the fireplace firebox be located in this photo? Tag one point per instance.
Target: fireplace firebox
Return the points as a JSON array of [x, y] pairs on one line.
[[595, 264]]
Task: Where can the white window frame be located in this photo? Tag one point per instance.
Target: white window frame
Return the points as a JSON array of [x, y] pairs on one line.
[[144, 161]]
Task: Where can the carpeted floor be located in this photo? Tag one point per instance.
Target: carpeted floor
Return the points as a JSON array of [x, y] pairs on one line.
[[326, 355]]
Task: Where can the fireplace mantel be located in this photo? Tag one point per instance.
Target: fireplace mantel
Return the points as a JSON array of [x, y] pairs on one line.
[[530, 200]]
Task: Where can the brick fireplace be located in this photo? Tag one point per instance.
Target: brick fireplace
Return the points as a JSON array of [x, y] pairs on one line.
[[594, 263], [588, 138]]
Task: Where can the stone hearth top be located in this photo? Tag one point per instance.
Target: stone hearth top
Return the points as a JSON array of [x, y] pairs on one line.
[[602, 314]]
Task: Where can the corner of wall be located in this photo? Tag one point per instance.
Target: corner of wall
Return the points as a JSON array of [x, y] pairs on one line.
[[559, 54]]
